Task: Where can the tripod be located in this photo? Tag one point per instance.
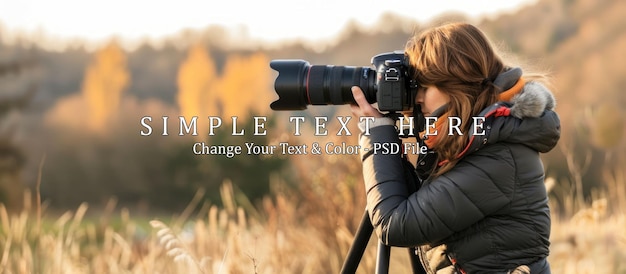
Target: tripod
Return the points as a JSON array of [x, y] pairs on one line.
[[364, 232], [359, 245]]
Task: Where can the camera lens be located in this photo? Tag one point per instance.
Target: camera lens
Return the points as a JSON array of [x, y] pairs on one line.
[[299, 84]]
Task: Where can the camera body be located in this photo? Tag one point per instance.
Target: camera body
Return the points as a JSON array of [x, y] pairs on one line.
[[395, 88], [389, 83]]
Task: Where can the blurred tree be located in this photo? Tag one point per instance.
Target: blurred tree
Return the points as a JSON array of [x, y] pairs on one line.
[[105, 80], [197, 80], [17, 86], [154, 72], [245, 86]]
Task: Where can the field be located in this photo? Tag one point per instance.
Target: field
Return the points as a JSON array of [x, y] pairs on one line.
[[303, 230]]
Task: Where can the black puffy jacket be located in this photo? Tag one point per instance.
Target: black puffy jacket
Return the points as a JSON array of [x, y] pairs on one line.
[[491, 209]]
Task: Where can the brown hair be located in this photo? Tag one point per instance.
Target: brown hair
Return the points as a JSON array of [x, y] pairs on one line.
[[460, 61]]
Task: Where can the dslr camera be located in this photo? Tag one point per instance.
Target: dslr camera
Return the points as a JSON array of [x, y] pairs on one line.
[[388, 83]]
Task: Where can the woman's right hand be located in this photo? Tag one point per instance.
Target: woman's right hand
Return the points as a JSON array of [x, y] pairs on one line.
[[363, 107]]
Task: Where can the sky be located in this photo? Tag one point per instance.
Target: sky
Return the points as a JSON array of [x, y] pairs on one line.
[[269, 20]]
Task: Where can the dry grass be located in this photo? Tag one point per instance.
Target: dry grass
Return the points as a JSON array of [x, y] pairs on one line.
[[303, 231]]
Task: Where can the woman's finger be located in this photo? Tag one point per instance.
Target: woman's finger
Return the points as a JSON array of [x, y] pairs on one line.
[[366, 108], [359, 97]]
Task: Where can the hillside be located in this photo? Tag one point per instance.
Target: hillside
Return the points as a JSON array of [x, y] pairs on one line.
[[578, 42]]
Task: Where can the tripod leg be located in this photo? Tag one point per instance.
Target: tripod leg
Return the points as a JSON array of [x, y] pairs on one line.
[[382, 258], [359, 244]]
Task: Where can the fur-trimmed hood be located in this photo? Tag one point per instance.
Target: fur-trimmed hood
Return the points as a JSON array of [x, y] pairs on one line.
[[534, 99], [528, 118]]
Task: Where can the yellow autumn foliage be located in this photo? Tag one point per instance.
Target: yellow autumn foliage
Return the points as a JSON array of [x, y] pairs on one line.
[[244, 86], [105, 80]]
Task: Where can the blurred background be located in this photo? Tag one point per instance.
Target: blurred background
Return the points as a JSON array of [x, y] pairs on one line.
[[74, 88], [76, 98]]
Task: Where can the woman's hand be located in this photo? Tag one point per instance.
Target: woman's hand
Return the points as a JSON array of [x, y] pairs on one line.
[[363, 108]]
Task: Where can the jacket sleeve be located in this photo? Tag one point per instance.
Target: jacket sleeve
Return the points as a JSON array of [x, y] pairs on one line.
[[450, 203]]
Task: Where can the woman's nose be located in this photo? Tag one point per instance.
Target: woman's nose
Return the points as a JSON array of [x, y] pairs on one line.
[[419, 97]]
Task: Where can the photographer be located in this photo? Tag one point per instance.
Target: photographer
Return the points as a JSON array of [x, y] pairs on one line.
[[481, 206]]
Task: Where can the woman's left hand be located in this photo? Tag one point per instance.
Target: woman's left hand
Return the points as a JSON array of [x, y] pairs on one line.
[[363, 108]]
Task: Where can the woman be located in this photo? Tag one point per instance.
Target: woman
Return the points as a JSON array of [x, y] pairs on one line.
[[482, 198]]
